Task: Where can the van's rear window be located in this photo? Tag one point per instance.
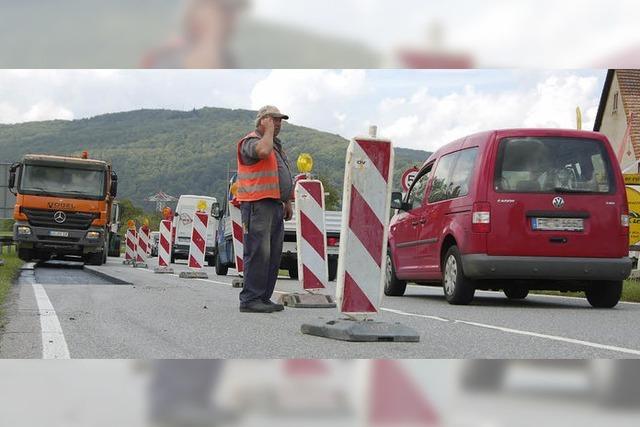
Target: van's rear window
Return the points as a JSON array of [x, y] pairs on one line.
[[553, 164]]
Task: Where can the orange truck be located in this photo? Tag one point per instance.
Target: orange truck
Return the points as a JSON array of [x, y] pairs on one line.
[[64, 206]]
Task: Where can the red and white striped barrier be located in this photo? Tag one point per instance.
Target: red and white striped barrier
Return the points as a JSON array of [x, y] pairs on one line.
[[143, 246], [237, 235], [164, 248], [365, 222], [131, 242], [311, 235], [197, 247]]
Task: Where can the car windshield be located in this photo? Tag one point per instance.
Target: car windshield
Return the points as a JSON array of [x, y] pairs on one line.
[[57, 181], [552, 165]]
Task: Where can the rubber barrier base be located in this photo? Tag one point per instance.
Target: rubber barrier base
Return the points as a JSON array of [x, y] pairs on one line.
[[307, 300], [360, 331], [127, 262], [140, 265], [238, 282], [193, 275], [163, 270]]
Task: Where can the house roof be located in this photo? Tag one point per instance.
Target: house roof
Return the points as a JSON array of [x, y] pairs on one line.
[[629, 82]]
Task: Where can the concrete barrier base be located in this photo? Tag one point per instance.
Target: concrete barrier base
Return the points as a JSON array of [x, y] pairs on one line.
[[307, 300], [193, 275], [360, 331], [163, 270], [238, 282], [140, 265]]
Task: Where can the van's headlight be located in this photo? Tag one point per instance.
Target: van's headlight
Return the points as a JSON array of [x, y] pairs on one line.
[[93, 235], [25, 231]]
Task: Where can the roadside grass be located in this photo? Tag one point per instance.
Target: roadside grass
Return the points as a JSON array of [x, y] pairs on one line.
[[8, 273], [630, 291]]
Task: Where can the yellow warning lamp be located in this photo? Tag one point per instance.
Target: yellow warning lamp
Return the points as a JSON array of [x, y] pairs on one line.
[[305, 163], [234, 189], [166, 213], [145, 222], [201, 206], [131, 224]]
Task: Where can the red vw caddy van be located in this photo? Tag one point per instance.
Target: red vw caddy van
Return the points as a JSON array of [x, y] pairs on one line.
[[515, 210]]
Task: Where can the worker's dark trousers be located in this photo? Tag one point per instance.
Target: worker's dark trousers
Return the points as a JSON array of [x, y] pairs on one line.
[[263, 225]]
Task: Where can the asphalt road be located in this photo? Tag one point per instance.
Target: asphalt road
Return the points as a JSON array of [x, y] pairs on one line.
[[61, 311]]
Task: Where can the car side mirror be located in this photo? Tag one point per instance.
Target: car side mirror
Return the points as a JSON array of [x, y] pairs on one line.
[[397, 203], [113, 191], [215, 210]]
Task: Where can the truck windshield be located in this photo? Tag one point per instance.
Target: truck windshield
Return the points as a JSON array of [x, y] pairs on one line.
[[553, 165], [56, 181]]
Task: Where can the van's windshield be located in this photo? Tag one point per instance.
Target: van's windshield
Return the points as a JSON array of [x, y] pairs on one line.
[[552, 165]]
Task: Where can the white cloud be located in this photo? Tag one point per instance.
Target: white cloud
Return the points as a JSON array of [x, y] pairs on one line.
[[430, 121], [44, 110], [310, 97]]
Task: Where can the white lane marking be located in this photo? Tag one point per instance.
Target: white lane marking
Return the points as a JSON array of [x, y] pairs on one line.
[[554, 338], [404, 313], [54, 345], [214, 281], [527, 333]]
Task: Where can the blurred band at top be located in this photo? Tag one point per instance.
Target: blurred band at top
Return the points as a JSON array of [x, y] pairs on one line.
[[313, 34]]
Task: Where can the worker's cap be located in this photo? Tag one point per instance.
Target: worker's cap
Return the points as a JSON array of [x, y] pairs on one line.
[[269, 111]]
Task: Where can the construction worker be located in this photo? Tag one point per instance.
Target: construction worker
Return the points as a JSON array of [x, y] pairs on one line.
[[265, 187]]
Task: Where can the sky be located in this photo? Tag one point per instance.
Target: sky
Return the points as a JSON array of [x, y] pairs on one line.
[[420, 109]]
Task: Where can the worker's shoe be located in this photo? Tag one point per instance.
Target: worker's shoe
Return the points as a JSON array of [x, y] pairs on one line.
[[256, 307], [276, 307]]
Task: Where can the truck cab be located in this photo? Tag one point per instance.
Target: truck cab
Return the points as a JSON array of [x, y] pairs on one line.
[[63, 207]]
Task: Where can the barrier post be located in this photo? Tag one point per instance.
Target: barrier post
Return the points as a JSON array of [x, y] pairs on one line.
[[131, 242], [363, 246], [198, 243], [164, 244], [311, 240], [143, 245], [237, 237]]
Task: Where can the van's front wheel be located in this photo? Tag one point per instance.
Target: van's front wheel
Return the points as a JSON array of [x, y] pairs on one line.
[[393, 286], [604, 294], [458, 289]]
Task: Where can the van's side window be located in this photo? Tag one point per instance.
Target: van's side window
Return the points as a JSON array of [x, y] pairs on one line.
[[441, 179], [417, 191], [462, 172]]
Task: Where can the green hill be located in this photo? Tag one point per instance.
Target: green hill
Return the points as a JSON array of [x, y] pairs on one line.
[[178, 152]]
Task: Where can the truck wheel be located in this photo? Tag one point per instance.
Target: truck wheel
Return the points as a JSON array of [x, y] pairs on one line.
[[221, 270], [211, 261], [516, 292], [393, 286], [333, 269], [25, 254], [604, 294], [458, 289], [293, 271]]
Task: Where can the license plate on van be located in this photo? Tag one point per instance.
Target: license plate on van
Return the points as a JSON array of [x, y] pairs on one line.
[[558, 224], [54, 233]]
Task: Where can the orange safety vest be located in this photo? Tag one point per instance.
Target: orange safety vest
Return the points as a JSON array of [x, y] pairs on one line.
[[259, 180]]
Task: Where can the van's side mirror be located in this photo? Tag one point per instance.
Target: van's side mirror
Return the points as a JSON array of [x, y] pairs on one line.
[[113, 191], [215, 210], [397, 203]]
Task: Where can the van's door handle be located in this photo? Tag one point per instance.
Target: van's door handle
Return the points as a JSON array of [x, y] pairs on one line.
[[558, 240], [414, 223], [422, 221]]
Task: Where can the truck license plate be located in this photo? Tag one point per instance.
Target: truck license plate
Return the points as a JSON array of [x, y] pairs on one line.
[[54, 233], [558, 224]]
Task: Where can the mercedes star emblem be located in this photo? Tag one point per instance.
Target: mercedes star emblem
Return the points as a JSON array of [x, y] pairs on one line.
[[59, 217]]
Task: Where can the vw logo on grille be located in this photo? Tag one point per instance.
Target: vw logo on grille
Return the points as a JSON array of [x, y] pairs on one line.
[[558, 202], [59, 217]]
